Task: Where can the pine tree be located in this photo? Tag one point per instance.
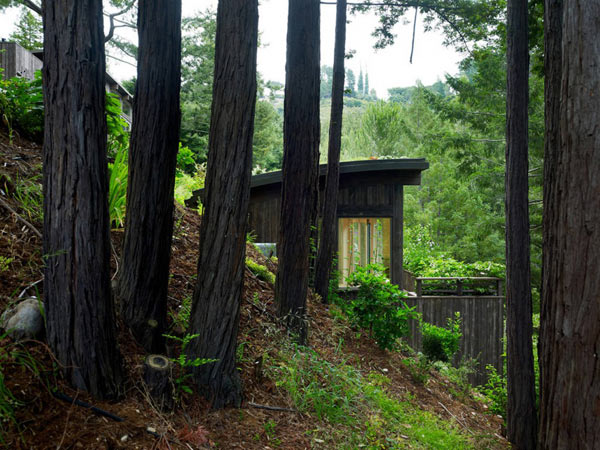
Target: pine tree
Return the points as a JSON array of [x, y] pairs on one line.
[[360, 87], [29, 32], [367, 92]]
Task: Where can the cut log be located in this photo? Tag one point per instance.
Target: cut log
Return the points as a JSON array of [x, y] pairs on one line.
[[157, 376]]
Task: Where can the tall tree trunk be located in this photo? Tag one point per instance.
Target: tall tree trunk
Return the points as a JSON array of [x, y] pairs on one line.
[[570, 391], [327, 242], [79, 312], [521, 410], [218, 294], [553, 12], [301, 130], [144, 276]]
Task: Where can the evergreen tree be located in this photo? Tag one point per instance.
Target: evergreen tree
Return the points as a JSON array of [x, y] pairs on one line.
[[300, 163], [80, 321], [29, 33], [367, 92], [144, 276], [360, 86], [218, 294], [350, 83]]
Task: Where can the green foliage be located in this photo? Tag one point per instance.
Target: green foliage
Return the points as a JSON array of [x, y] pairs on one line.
[[184, 364], [118, 136], [189, 175], [181, 318], [419, 368], [117, 192], [22, 106], [197, 67], [378, 306], [29, 32], [262, 272], [495, 390], [423, 257], [267, 146], [441, 344], [4, 263], [361, 411], [28, 193], [13, 357]]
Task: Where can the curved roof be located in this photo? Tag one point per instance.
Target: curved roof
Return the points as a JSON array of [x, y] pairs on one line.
[[347, 167]]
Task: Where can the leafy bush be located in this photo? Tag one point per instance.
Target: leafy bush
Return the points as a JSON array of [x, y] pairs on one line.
[[378, 306], [440, 344], [22, 106], [424, 259], [117, 189], [419, 368], [495, 390], [184, 364], [260, 271]]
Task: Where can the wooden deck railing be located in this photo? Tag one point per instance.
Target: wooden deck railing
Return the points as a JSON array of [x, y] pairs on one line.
[[463, 285]]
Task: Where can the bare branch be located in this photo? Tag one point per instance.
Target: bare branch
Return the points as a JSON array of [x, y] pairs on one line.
[[112, 17], [31, 5]]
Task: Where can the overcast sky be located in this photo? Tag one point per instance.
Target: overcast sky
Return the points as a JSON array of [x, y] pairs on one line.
[[387, 68]]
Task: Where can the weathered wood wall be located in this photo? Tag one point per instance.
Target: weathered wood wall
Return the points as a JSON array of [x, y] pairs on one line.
[[370, 194], [16, 61], [482, 328]]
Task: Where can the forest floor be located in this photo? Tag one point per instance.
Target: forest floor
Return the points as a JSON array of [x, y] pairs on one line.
[[342, 393]]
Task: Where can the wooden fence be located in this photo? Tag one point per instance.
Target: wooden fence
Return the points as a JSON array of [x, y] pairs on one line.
[[482, 322]]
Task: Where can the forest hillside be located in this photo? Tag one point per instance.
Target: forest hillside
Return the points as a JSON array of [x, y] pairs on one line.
[[341, 392]]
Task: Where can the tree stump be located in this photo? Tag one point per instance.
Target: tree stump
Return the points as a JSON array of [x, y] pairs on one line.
[[157, 376]]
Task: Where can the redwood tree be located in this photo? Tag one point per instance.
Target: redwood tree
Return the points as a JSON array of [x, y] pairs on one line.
[[218, 293], [301, 130], [144, 275], [570, 320], [80, 321], [327, 241], [521, 410]]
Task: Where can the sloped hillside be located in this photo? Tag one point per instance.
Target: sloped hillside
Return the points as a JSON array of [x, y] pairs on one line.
[[342, 392]]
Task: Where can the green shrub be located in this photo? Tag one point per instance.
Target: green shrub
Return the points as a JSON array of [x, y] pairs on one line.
[[117, 189], [378, 306], [495, 390], [4, 263], [22, 106], [260, 271], [440, 344]]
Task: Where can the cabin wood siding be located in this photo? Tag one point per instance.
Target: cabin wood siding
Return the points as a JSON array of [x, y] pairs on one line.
[[361, 194], [482, 328]]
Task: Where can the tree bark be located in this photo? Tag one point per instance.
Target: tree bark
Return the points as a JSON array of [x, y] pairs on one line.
[[79, 312], [521, 410], [553, 11], [218, 294], [157, 376], [301, 130], [327, 244], [144, 276], [570, 327]]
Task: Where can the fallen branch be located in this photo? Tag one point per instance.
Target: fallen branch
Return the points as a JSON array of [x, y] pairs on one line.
[[272, 408], [457, 419], [24, 291], [74, 401], [31, 227]]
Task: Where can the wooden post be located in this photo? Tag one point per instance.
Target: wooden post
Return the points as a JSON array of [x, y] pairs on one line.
[[499, 288], [459, 286], [419, 287]]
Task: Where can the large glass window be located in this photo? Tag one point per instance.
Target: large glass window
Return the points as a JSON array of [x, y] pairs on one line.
[[362, 241]]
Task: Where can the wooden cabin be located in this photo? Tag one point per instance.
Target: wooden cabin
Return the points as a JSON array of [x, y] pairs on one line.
[[370, 210]]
